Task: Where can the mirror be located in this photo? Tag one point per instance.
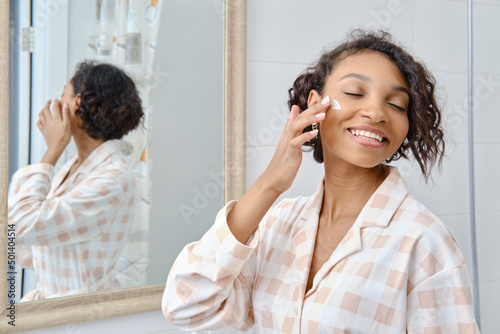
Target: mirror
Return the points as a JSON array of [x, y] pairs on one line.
[[59, 311]]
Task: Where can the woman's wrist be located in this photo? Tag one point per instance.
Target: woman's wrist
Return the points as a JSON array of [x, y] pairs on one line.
[[51, 156]]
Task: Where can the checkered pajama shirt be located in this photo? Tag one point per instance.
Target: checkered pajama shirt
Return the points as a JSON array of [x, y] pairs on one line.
[[397, 270], [71, 233]]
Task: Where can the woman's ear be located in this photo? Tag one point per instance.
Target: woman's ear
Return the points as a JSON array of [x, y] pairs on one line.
[[313, 98], [78, 100]]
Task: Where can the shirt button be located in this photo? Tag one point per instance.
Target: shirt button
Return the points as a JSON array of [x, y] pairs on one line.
[[296, 311]]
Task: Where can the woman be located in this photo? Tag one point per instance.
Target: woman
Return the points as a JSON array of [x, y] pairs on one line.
[[360, 255], [72, 228]]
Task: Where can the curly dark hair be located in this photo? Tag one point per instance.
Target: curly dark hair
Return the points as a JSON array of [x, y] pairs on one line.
[[425, 134], [110, 104]]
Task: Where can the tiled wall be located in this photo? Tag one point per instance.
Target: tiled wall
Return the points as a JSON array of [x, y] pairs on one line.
[[283, 37]]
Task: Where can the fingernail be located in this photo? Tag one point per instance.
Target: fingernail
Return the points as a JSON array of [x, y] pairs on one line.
[[313, 132], [65, 105], [320, 115], [326, 101]]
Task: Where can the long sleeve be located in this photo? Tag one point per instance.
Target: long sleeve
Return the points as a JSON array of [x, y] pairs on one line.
[[76, 215], [210, 283], [24, 257], [442, 304]]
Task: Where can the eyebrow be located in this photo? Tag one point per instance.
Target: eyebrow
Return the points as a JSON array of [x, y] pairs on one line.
[[366, 79], [357, 76], [401, 89]]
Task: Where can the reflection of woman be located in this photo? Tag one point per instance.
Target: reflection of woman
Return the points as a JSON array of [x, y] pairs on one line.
[[360, 255], [72, 228]]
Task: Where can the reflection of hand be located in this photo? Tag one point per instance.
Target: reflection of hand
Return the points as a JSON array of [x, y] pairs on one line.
[[56, 130], [288, 156]]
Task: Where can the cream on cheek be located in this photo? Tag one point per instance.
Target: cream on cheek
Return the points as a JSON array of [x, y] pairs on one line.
[[335, 104]]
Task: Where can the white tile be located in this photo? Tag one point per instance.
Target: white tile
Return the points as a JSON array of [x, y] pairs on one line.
[[306, 181], [186, 190], [485, 25], [267, 100], [297, 32], [486, 108], [82, 14], [487, 179], [447, 193], [189, 58], [486, 2], [158, 269], [486, 99], [452, 90], [489, 307], [170, 233], [441, 34], [187, 102], [257, 159], [77, 48], [198, 18], [488, 247], [186, 145]]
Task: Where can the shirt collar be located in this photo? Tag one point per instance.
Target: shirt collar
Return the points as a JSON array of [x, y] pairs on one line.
[[385, 201], [98, 155], [379, 209]]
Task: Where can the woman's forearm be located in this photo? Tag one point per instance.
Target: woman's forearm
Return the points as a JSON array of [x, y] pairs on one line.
[[246, 215]]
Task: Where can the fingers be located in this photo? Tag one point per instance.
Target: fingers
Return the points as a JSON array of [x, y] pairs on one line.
[[56, 109], [40, 126], [298, 141], [65, 113], [45, 115], [316, 108], [298, 121], [314, 114], [294, 113]]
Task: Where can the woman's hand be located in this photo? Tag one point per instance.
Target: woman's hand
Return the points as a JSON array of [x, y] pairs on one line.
[[288, 156], [245, 216], [56, 129]]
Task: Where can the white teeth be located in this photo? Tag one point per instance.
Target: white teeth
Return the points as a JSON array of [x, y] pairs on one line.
[[367, 135]]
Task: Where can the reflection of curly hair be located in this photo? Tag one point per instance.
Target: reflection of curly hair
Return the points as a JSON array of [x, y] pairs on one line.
[[110, 105], [425, 134]]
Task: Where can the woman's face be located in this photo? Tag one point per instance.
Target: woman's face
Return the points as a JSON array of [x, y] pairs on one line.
[[373, 121], [72, 100]]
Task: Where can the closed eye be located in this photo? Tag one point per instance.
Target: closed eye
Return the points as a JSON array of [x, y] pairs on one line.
[[397, 107], [353, 94]]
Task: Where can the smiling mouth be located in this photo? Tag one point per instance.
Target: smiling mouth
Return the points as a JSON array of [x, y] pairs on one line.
[[367, 135]]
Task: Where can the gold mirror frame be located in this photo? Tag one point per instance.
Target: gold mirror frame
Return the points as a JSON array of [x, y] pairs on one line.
[[90, 307]]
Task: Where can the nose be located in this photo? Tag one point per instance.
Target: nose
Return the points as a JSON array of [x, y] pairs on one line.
[[375, 111]]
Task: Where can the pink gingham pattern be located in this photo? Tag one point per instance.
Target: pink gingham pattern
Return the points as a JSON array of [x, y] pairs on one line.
[[397, 270], [74, 230]]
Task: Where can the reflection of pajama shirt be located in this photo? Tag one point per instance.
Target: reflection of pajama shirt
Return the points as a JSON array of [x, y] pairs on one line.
[[72, 234], [398, 269]]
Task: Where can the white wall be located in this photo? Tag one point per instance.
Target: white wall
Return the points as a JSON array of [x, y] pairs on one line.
[[283, 37]]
